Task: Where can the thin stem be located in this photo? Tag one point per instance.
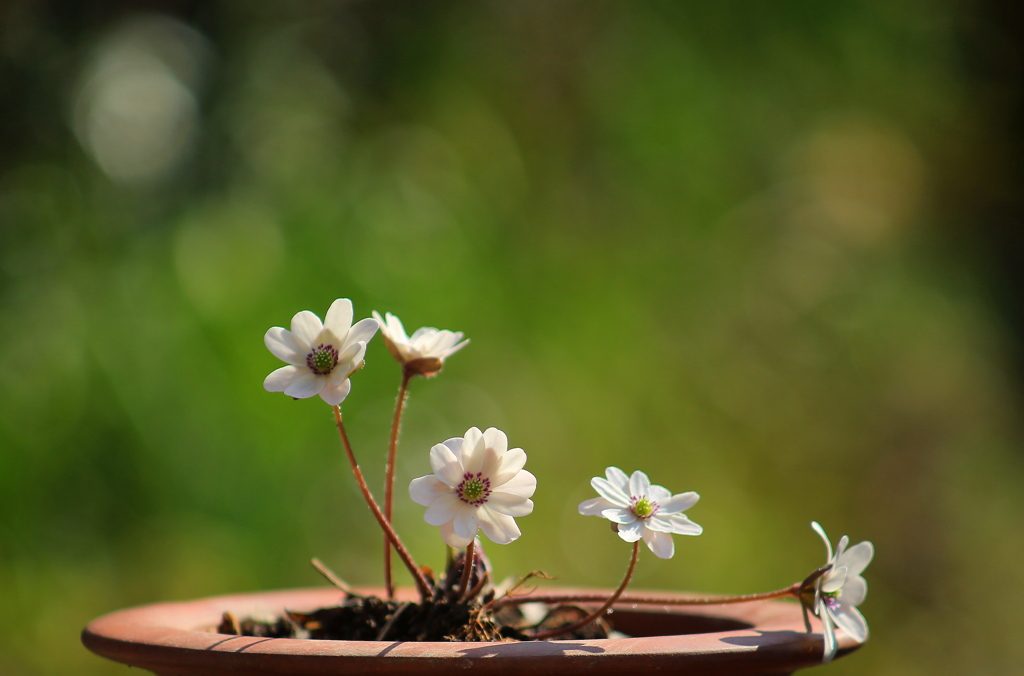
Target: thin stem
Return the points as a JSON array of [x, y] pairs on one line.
[[332, 577], [478, 586], [649, 600], [389, 475], [795, 590], [389, 532], [467, 569], [600, 611]]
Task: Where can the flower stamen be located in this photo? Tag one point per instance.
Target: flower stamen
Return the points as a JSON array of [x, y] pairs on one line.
[[322, 359], [643, 507], [474, 489]]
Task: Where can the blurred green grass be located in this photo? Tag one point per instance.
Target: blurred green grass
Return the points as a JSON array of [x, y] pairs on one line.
[[709, 242]]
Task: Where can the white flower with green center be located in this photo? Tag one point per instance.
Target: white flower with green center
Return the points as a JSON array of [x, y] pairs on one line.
[[478, 483], [642, 510], [838, 592], [321, 356], [425, 350]]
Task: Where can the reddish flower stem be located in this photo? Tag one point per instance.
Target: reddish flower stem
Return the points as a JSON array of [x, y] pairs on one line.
[[600, 611], [791, 590], [467, 569], [421, 581], [389, 475], [795, 590]]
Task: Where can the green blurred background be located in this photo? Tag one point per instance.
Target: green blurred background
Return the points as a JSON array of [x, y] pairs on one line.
[[770, 252]]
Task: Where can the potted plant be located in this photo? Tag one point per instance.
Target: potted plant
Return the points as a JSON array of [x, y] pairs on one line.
[[462, 618]]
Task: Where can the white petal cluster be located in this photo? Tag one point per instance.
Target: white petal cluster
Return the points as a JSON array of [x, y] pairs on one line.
[[642, 510], [321, 356], [839, 591], [478, 483], [426, 344]]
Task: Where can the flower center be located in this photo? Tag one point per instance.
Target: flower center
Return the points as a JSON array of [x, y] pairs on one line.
[[322, 359], [474, 489], [643, 507]]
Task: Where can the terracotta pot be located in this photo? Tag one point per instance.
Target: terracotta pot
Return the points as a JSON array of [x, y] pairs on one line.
[[179, 638]]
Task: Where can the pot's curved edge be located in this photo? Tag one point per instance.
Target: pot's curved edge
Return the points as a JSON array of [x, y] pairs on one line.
[[168, 637]]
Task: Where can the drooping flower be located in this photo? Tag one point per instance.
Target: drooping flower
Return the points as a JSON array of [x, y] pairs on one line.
[[321, 356], [839, 591], [642, 510], [424, 351], [477, 483]]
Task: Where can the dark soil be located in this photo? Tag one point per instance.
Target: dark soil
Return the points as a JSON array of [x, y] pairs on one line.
[[442, 618], [370, 618]]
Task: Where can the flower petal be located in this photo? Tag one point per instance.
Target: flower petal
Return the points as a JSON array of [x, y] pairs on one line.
[[509, 504], [833, 580], [828, 544], [394, 326], [282, 345], [362, 332], [609, 492], [455, 348], [631, 532], [639, 484], [306, 385], [857, 557], [659, 493], [618, 478], [455, 444], [333, 393], [490, 464], [339, 317], [523, 483], [594, 506], [445, 465], [660, 543], [306, 327], [828, 632], [444, 340], [444, 509], [430, 342], [619, 515], [674, 523], [472, 450], [280, 379], [855, 589], [496, 439], [426, 489], [511, 462], [451, 539], [678, 503], [348, 356], [852, 622], [422, 334], [501, 529], [465, 522], [840, 548]]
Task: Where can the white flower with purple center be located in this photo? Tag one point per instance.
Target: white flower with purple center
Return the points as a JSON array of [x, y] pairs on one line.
[[425, 350], [838, 592], [321, 356], [642, 510], [478, 483]]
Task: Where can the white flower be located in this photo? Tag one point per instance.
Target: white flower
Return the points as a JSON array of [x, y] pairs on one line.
[[841, 589], [321, 356], [477, 483], [641, 510], [425, 350]]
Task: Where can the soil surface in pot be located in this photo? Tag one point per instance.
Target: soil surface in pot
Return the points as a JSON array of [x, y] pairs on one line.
[[447, 616], [370, 618]]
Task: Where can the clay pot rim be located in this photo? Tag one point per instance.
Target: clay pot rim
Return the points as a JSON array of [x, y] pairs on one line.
[[177, 636]]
